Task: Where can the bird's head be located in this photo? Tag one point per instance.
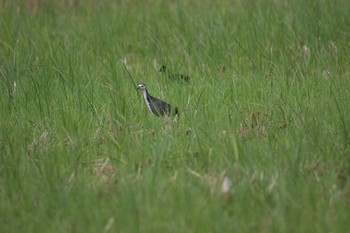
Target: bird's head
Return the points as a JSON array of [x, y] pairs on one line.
[[163, 69], [141, 87]]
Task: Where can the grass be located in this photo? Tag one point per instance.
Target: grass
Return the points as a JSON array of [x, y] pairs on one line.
[[267, 112]]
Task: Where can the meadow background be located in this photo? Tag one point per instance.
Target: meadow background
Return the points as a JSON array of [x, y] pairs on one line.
[[261, 145]]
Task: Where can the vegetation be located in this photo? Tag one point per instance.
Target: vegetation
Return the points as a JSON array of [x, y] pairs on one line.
[[261, 144]]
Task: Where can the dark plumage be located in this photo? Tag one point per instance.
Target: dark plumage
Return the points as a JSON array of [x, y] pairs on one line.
[[156, 106], [174, 77]]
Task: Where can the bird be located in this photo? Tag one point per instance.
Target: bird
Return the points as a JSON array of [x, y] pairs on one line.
[[174, 77], [156, 106]]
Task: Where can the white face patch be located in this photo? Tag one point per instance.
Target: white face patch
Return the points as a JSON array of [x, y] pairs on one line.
[[142, 87]]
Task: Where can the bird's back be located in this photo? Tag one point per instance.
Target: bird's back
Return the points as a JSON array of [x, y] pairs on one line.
[[160, 107]]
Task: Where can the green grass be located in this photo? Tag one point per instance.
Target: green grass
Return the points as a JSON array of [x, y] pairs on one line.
[[79, 151]]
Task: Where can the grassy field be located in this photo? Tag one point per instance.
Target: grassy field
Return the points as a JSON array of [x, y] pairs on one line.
[[262, 143]]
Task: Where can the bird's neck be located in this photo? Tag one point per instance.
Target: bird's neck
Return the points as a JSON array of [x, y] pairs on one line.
[[146, 95], [147, 98]]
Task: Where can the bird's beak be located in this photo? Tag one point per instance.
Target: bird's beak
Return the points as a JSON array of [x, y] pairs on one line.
[[137, 88]]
